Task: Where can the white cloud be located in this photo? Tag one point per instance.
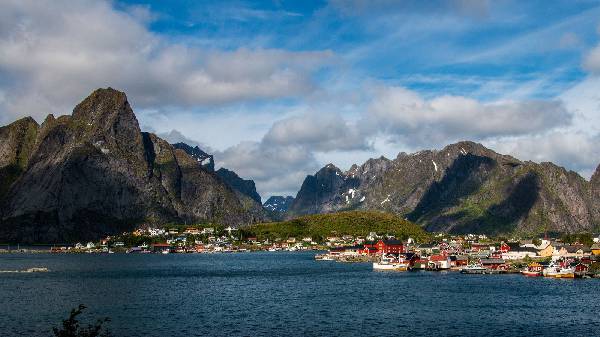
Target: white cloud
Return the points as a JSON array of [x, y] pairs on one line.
[[414, 120], [573, 150], [54, 53], [277, 170], [318, 131], [591, 61]]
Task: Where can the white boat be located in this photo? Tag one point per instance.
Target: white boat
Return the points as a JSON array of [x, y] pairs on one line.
[[557, 271], [474, 269], [391, 263], [324, 257]]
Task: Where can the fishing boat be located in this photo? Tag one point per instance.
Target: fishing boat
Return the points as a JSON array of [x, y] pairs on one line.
[[324, 257], [533, 269], [474, 269], [557, 271], [391, 263]]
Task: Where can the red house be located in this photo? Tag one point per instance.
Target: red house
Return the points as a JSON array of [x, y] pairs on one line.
[[382, 247], [495, 264], [389, 247], [504, 248]]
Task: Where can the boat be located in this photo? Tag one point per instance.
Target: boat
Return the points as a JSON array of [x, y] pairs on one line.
[[556, 271], [391, 263], [529, 273], [324, 257], [534, 269], [474, 269]]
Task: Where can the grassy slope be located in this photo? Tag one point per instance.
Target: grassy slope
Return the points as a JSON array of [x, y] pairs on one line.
[[342, 223]]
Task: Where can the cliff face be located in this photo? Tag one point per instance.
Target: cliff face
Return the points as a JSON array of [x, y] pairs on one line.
[[463, 188], [94, 173], [206, 160], [595, 194], [243, 186]]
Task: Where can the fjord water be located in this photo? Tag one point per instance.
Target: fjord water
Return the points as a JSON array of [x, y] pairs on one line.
[[273, 294]]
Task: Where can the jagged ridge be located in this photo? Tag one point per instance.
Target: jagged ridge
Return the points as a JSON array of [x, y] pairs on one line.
[[463, 188]]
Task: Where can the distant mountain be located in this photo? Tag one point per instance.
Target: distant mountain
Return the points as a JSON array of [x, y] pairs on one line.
[[463, 188], [94, 173], [204, 159], [278, 203], [243, 186]]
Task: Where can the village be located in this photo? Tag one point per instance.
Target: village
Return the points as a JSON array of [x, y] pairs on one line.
[[468, 254], [477, 254]]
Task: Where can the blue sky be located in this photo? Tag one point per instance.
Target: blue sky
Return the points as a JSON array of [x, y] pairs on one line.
[[277, 89]]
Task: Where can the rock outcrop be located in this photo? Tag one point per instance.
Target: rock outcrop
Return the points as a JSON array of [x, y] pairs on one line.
[[94, 173]]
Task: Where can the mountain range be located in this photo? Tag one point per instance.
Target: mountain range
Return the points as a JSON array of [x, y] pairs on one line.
[[93, 173], [463, 188]]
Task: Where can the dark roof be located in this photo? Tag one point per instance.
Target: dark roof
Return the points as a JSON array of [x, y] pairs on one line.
[[347, 248], [392, 242], [491, 261], [524, 249], [573, 249]]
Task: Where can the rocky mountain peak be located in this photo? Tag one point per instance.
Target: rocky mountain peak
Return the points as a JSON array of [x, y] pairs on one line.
[[204, 159], [278, 203], [243, 186], [95, 173], [464, 187]]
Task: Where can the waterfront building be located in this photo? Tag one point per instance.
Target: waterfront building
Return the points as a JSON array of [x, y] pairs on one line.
[[439, 261], [494, 264], [389, 247]]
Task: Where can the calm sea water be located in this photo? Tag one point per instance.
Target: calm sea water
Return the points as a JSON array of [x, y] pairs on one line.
[[276, 294]]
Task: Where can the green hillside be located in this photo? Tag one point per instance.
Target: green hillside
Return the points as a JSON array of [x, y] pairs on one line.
[[357, 223]]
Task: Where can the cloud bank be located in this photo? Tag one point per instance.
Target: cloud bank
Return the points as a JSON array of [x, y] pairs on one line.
[[53, 53]]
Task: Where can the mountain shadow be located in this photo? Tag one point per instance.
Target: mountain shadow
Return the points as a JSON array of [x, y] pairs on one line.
[[504, 216], [464, 177]]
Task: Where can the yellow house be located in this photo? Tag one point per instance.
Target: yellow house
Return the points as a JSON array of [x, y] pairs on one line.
[[595, 249], [548, 251]]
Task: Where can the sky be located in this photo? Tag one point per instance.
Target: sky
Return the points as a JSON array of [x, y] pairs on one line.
[[277, 89]]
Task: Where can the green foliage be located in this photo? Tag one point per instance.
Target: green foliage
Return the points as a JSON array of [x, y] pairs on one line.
[[357, 223], [594, 268], [72, 328], [583, 238]]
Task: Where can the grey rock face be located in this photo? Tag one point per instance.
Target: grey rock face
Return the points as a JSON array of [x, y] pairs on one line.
[[465, 187], [204, 159], [243, 186], [94, 173]]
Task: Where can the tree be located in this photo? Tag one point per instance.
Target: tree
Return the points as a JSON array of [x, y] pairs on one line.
[[71, 327]]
